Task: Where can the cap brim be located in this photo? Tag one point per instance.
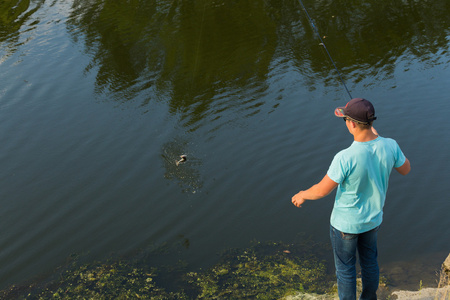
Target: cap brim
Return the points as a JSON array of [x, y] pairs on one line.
[[339, 112]]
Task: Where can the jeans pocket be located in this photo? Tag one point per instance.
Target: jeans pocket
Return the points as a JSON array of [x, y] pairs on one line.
[[348, 236], [343, 235]]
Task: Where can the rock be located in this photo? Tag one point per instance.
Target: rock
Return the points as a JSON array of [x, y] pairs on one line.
[[305, 296], [446, 265], [423, 294], [441, 292]]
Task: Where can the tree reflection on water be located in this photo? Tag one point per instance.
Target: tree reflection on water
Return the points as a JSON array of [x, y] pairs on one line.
[[196, 54], [14, 15]]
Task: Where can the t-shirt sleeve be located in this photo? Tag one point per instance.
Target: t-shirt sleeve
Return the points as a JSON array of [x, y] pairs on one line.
[[335, 171], [400, 158]]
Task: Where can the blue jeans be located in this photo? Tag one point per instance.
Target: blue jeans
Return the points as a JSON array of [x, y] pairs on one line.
[[345, 246]]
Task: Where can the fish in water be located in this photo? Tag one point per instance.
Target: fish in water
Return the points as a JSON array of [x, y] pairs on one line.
[[182, 159]]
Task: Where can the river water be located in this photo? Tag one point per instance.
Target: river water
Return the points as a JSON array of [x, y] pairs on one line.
[[99, 98]]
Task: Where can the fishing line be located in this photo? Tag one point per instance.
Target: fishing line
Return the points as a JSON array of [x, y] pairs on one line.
[[325, 47]]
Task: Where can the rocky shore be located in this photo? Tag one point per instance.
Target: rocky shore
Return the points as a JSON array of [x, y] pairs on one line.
[[441, 292]]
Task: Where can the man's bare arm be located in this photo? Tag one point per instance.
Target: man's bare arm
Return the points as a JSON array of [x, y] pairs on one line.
[[405, 168], [317, 191]]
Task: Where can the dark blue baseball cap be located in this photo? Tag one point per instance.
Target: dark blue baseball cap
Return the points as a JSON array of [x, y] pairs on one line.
[[358, 109]]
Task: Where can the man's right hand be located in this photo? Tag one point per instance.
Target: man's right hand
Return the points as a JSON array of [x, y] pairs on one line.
[[298, 200]]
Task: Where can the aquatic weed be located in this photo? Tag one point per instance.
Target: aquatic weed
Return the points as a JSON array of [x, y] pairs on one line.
[[117, 280], [262, 271], [250, 274]]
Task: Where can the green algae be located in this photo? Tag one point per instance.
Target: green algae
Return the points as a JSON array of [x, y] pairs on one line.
[[117, 280], [252, 274], [262, 271]]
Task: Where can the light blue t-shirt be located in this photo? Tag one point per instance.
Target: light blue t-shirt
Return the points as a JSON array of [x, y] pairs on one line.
[[362, 171]]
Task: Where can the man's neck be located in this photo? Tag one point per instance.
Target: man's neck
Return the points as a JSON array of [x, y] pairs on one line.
[[365, 135]]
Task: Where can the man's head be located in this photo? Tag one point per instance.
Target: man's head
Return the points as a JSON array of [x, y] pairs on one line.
[[357, 110]]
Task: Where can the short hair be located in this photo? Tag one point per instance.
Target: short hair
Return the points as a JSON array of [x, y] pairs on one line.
[[361, 125], [364, 125]]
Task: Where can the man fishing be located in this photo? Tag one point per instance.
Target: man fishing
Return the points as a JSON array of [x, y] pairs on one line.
[[361, 174]]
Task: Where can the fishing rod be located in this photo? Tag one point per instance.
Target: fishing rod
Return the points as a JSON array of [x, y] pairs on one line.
[[325, 47]]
